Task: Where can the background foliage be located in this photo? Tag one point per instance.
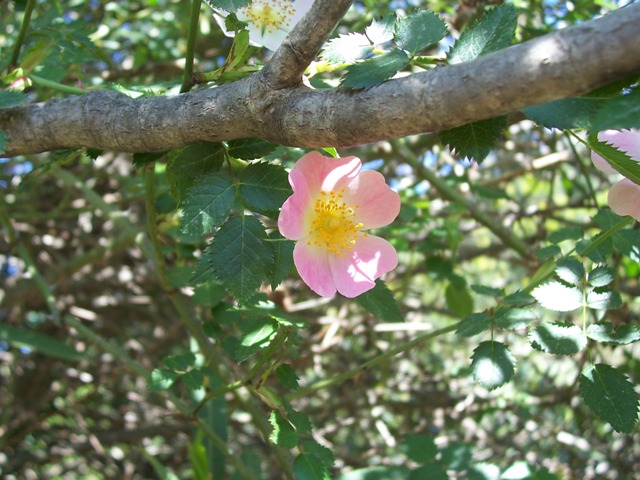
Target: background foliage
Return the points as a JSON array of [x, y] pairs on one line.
[[152, 324]]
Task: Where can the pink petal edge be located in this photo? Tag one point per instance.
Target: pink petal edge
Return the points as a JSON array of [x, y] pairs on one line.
[[624, 198], [314, 269]]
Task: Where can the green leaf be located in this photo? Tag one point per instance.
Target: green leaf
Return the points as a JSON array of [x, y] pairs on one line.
[[492, 364], [514, 318], [491, 33], [456, 456], [610, 395], [570, 270], [309, 467], [189, 163], [374, 70], [474, 140], [258, 332], [518, 299], [264, 187], [228, 5], [558, 339], [207, 204], [381, 302], [608, 333], [286, 375], [162, 379], [193, 379], [483, 471], [565, 114], [325, 455], [603, 299], [558, 297], [180, 363], [40, 343], [618, 159], [420, 448], [238, 256], [488, 291], [283, 433], [377, 473], [250, 148], [567, 233], [10, 99], [474, 324], [601, 276], [140, 159], [458, 298], [346, 48], [618, 113], [299, 420], [419, 30], [432, 471], [381, 29], [282, 258], [3, 141]]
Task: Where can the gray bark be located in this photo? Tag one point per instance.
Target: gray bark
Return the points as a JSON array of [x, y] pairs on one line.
[[275, 105]]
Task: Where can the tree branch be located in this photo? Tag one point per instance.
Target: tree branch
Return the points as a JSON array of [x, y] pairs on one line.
[[569, 62]]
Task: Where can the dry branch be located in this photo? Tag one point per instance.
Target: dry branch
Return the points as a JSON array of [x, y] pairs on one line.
[[274, 104]]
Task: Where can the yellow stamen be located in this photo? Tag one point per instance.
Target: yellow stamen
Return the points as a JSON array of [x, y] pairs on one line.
[[270, 15], [334, 225]]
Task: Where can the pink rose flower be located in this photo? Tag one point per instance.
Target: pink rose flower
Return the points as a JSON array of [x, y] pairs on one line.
[[624, 196], [331, 206]]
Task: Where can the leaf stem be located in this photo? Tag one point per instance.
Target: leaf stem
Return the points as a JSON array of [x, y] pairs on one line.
[[26, 20], [56, 86]]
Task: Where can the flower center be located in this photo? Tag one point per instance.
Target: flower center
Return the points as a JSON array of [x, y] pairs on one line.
[[269, 15], [334, 225]]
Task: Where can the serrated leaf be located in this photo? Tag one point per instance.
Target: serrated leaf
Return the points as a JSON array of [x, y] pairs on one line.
[[162, 379], [603, 299], [474, 140], [207, 204], [608, 333], [474, 324], [374, 70], [458, 298], [309, 467], [565, 114], [140, 159], [567, 233], [420, 448], [193, 379], [492, 32], [324, 454], [286, 375], [518, 299], [610, 395], [492, 364], [299, 420], [283, 433], [570, 270], [191, 162], [419, 30], [264, 187], [180, 363], [381, 302], [618, 159], [250, 148], [627, 242], [549, 251], [346, 48], [558, 339], [228, 5], [618, 113], [282, 258], [558, 297], [258, 332], [514, 318], [238, 257], [10, 99], [488, 291], [381, 29]]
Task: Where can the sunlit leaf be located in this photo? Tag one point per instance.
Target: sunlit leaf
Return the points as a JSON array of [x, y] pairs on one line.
[[558, 297], [618, 113], [310, 467], [207, 204], [492, 364], [283, 434], [565, 114], [419, 30], [474, 324], [492, 32], [162, 379], [346, 48], [603, 299], [570, 270], [228, 5], [474, 140], [558, 339], [514, 318], [608, 333], [381, 302], [381, 29], [610, 395], [618, 159]]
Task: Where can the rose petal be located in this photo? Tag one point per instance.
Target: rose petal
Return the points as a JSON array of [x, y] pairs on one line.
[[378, 205], [315, 172], [624, 198], [372, 257], [291, 221], [314, 269]]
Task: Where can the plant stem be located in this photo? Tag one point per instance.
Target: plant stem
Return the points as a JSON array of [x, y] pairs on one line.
[[26, 20], [187, 77], [55, 85]]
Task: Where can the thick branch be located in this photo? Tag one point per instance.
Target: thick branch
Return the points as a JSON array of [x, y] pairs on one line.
[[570, 62]]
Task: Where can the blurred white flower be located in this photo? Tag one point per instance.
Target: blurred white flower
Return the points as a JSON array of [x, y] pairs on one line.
[[269, 21]]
